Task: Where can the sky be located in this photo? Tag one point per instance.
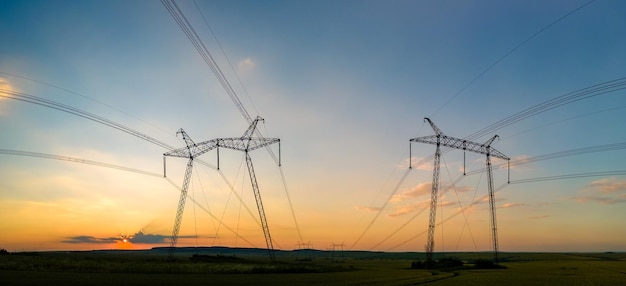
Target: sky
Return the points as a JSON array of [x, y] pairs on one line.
[[344, 85]]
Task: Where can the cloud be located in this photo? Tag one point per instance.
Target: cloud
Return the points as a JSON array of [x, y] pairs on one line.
[[89, 239], [485, 200], [600, 199], [445, 203], [539, 217], [418, 163], [406, 209], [423, 189], [419, 206], [369, 209], [419, 190], [461, 189], [5, 85], [5, 89], [138, 237], [608, 185], [246, 65], [512, 205], [607, 191]]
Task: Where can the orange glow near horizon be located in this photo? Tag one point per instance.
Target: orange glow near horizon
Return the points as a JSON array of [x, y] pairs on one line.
[[124, 244]]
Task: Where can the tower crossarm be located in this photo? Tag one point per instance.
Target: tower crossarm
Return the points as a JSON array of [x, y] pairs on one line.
[[194, 150], [462, 144], [245, 144]]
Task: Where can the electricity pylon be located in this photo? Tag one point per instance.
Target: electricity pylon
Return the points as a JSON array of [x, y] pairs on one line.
[[440, 139], [245, 143], [191, 151]]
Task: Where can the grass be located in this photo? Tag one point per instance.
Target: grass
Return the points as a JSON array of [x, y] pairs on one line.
[[139, 268]]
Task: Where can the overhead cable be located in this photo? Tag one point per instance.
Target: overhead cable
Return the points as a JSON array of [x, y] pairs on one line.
[[509, 53], [76, 160], [584, 93]]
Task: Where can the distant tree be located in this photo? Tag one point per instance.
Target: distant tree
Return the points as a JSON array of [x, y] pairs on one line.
[[448, 262], [3, 252], [487, 264], [417, 265]]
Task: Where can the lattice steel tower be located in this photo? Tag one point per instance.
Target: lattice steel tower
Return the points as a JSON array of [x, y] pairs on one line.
[[191, 151], [439, 139], [245, 143]]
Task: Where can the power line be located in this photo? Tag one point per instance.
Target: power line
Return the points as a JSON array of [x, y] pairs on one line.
[[219, 44], [84, 114], [561, 154], [196, 41], [509, 53], [570, 176], [198, 44], [584, 93], [393, 192], [523, 181], [460, 205], [399, 228], [83, 96], [211, 214], [406, 173], [445, 220], [76, 160], [595, 90], [116, 167], [566, 119], [293, 213], [445, 190], [75, 111]]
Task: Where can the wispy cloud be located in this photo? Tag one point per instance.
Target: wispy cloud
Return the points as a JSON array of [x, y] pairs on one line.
[[138, 237], [424, 189], [539, 216], [5, 89], [419, 190], [600, 199], [513, 205], [246, 65], [609, 185], [89, 239], [5, 85], [461, 189], [418, 163], [406, 209], [419, 206], [607, 191], [369, 209]]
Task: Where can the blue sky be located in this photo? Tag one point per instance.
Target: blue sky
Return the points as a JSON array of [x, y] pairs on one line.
[[345, 85]]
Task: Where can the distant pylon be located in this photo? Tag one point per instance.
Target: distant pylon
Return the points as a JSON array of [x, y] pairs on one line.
[[245, 143], [191, 151], [439, 139]]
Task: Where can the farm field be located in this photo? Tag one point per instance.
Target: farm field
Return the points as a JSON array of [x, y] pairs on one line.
[[354, 268]]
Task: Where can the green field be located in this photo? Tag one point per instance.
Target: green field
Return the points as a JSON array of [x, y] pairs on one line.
[[350, 268]]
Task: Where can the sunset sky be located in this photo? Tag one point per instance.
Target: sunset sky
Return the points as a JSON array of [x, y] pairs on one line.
[[344, 85]]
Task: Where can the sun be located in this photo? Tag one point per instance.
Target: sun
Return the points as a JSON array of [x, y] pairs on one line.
[[124, 242], [125, 238]]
